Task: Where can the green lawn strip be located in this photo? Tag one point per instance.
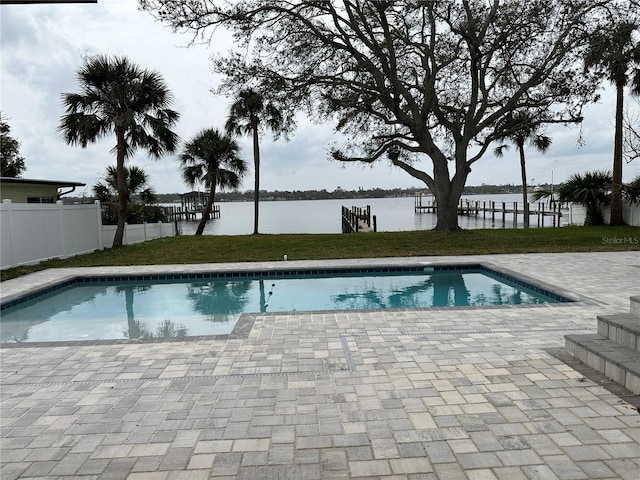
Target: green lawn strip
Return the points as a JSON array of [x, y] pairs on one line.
[[254, 248]]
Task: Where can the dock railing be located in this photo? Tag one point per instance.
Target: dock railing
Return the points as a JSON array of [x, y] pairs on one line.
[[182, 212], [425, 203], [356, 220]]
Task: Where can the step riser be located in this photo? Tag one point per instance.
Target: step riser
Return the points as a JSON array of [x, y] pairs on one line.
[[615, 350], [617, 373], [619, 335]]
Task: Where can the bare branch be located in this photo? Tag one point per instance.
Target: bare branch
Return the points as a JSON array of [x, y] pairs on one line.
[[631, 136]]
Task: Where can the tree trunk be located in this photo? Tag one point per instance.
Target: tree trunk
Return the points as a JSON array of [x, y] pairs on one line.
[[525, 199], [446, 191], [256, 166], [207, 210], [447, 194], [616, 192], [447, 213], [122, 188]]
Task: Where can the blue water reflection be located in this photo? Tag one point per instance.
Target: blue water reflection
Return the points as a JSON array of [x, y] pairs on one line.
[[172, 308]]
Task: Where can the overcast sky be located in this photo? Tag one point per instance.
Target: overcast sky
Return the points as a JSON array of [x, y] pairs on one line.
[[42, 47]]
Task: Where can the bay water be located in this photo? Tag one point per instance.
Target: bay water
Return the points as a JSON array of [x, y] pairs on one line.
[[323, 216]]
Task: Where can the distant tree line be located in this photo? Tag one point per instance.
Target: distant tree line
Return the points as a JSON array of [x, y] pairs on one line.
[[344, 194], [247, 196]]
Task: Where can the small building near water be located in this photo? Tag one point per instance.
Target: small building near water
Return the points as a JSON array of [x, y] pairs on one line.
[[28, 190], [193, 203]]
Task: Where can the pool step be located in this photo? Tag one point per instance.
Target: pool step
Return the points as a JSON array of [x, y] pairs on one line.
[[615, 349]]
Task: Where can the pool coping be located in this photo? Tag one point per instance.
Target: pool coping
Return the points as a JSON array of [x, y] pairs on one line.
[[246, 321]]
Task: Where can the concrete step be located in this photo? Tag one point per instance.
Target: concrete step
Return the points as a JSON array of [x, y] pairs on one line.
[[635, 306], [620, 364], [621, 328]]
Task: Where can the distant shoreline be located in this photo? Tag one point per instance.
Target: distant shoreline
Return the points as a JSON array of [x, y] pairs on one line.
[[280, 195]]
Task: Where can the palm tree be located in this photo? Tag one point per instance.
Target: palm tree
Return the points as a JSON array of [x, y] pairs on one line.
[[118, 97], [615, 54], [631, 191], [247, 115], [136, 183], [591, 189], [211, 158], [521, 128]]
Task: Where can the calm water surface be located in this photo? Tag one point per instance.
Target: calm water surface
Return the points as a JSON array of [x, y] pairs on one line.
[[174, 308], [323, 216]]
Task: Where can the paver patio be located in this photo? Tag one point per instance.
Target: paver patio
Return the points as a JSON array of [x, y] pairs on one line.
[[461, 393]]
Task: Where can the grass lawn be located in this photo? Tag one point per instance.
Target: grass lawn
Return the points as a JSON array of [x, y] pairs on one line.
[[254, 248]]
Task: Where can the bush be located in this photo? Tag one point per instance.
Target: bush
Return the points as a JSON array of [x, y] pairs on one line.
[[137, 213]]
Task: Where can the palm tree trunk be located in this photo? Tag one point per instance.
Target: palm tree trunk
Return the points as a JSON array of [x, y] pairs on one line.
[[128, 298], [616, 184], [525, 196], [256, 166], [207, 210], [122, 188], [263, 298]]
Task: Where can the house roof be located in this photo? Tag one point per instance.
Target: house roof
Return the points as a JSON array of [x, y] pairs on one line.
[[32, 181]]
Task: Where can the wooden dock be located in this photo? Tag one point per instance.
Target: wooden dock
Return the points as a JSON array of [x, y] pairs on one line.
[[192, 205], [182, 213], [425, 203], [356, 220]]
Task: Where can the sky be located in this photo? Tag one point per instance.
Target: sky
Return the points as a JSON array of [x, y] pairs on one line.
[[42, 47]]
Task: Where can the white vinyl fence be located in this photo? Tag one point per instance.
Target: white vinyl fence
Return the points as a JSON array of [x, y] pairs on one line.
[[577, 214], [32, 232], [138, 233]]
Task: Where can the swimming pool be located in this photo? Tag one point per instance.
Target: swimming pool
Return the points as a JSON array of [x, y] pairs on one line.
[[161, 306]]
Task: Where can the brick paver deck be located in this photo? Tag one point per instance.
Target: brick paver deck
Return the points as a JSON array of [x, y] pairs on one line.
[[464, 393]]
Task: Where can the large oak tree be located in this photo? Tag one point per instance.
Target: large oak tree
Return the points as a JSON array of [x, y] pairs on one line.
[[424, 84]]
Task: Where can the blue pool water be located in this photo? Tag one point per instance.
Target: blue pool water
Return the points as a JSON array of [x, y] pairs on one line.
[[147, 307]]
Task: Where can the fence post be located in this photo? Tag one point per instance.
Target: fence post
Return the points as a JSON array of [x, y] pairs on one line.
[[9, 209], [99, 221], [63, 243]]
